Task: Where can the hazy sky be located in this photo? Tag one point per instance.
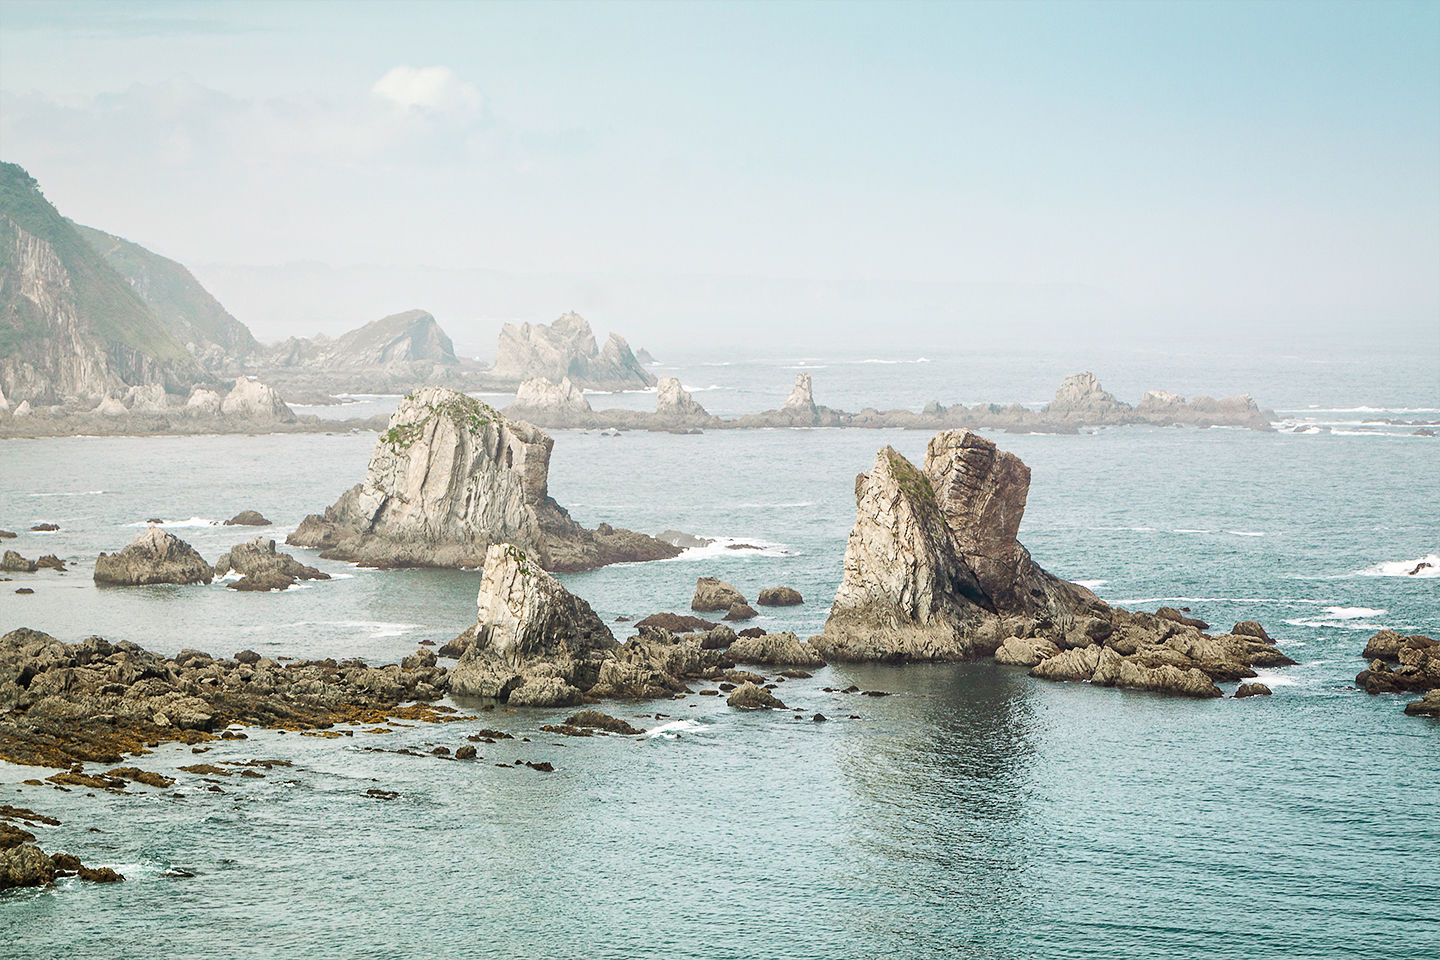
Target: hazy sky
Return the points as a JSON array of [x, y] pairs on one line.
[[716, 171]]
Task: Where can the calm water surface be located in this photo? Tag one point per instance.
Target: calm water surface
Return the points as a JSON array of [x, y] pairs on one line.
[[975, 812]]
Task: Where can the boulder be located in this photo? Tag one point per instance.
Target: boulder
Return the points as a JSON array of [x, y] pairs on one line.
[[676, 623], [1025, 651], [1252, 690], [1249, 628], [203, 403], [1081, 398], [779, 597], [748, 696], [1077, 663], [25, 865], [1113, 670], [253, 400], [12, 562], [262, 567], [247, 518], [741, 611], [712, 593], [154, 557], [674, 404], [543, 401], [450, 477], [1175, 616]]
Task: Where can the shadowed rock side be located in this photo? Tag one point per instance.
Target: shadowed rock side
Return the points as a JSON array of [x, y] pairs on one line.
[[933, 571], [1404, 664], [154, 557], [535, 644], [450, 477], [1079, 402]]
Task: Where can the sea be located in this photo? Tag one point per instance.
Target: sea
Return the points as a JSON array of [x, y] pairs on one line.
[[974, 812]]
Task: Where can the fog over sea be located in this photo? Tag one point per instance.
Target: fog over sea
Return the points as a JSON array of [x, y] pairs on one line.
[[975, 812]]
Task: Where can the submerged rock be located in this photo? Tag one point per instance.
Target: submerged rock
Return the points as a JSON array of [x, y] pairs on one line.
[[1252, 690], [741, 611], [1416, 668], [247, 518], [449, 478], [154, 557], [779, 597]]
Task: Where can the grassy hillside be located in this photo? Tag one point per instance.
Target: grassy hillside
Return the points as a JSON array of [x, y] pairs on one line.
[[173, 294], [103, 300]]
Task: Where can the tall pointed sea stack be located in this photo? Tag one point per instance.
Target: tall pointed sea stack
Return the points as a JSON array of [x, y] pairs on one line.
[[450, 477]]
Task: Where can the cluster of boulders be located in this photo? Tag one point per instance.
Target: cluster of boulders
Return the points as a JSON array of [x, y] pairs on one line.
[[536, 644], [1404, 664], [713, 595], [24, 864], [933, 571], [97, 701], [158, 556], [450, 477]]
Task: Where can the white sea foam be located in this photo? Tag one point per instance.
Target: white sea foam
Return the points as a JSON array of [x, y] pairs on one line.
[[379, 629], [1352, 613], [743, 548], [1090, 584], [1140, 600], [1331, 623], [192, 522], [1246, 533], [674, 728], [68, 493], [769, 506], [1191, 531], [690, 389], [342, 576], [1405, 568]]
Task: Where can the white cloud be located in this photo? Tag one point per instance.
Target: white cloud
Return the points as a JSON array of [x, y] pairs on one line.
[[436, 89]]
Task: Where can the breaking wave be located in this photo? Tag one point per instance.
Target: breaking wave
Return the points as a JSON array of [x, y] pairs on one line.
[[1425, 568]]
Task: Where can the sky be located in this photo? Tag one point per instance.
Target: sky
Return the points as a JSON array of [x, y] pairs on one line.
[[727, 175]]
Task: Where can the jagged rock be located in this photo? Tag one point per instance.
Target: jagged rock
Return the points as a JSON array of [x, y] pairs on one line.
[[1252, 690], [780, 649], [596, 720], [12, 562], [1077, 663], [1025, 651], [712, 593], [147, 398], [1249, 628], [528, 628], [1170, 613], [49, 561], [1080, 397], [23, 410], [8, 534], [253, 400], [1426, 706], [247, 518], [779, 597], [567, 348], [25, 865], [542, 401], [545, 692], [154, 557], [741, 611], [262, 567], [748, 696], [1113, 670], [449, 478], [674, 404], [110, 407], [675, 623], [1416, 659], [203, 403]]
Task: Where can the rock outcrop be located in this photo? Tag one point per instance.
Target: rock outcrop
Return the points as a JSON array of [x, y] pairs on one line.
[[450, 477], [674, 405], [779, 597], [154, 557], [1401, 663], [712, 593], [566, 348], [247, 518], [261, 567], [540, 401], [253, 400], [532, 636], [1081, 398], [934, 571]]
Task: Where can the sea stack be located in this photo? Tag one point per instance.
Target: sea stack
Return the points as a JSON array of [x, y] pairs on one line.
[[449, 478]]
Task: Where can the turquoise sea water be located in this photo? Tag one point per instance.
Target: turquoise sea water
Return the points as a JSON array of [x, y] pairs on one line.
[[975, 812]]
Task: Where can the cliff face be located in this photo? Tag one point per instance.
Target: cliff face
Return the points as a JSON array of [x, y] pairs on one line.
[[69, 324], [399, 341], [566, 348], [215, 338], [450, 477]]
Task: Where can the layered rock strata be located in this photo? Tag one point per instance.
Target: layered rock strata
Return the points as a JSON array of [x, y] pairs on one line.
[[934, 571], [450, 477]]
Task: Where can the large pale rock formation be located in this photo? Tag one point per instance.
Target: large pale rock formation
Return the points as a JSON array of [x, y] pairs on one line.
[[253, 400], [1080, 397], [566, 348], [934, 571], [674, 404], [155, 557], [531, 636], [449, 478], [542, 401]]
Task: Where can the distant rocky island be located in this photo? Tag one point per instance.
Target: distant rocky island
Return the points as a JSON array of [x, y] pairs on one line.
[[1079, 402]]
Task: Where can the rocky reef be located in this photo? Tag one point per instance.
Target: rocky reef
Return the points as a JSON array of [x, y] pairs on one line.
[[262, 567], [155, 557], [566, 348], [1080, 402], [450, 477], [1403, 664], [933, 571]]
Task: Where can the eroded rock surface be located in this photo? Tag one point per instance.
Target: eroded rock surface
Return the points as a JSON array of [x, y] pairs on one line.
[[1401, 663], [154, 557], [934, 571], [449, 478], [262, 567]]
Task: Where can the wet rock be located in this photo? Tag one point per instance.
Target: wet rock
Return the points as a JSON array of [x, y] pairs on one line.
[[1025, 651], [12, 562], [676, 623], [25, 865], [1249, 628], [819, 718], [780, 649], [601, 721], [1077, 663], [262, 567], [466, 752], [1252, 690], [779, 597], [8, 535], [1113, 670], [23, 590], [1175, 616], [247, 518], [741, 611], [712, 593], [750, 697], [51, 562], [154, 557], [45, 527]]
